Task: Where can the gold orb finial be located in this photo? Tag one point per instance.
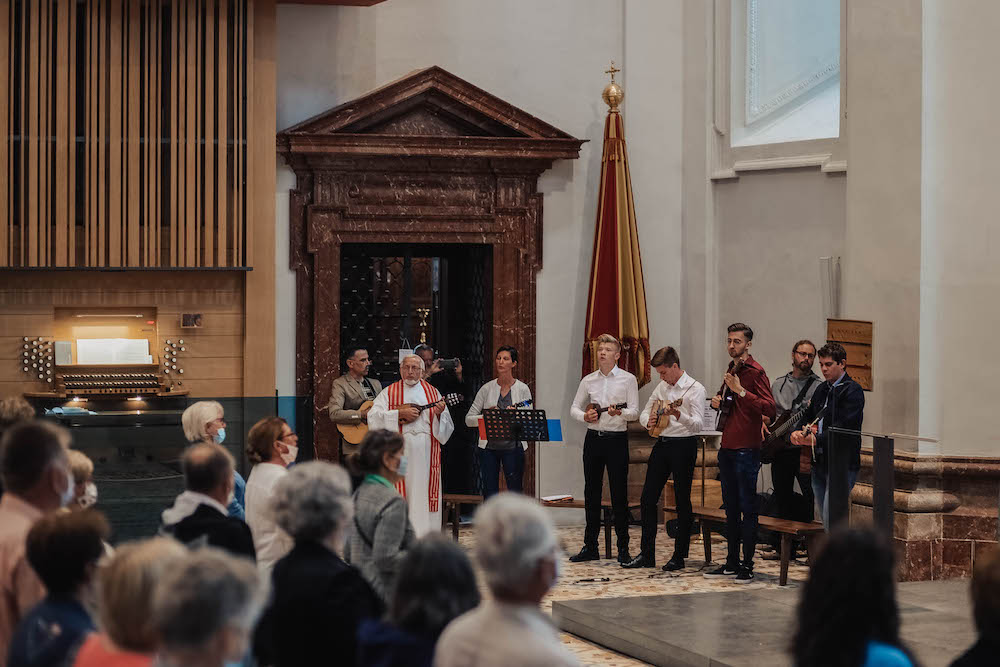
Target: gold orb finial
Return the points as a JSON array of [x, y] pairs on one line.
[[613, 93]]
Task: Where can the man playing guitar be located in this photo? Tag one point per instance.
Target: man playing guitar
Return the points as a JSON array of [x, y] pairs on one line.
[[606, 444], [791, 392], [683, 404], [747, 390], [350, 392], [841, 403]]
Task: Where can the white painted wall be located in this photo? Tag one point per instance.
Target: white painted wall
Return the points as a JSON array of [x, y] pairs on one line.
[[959, 312], [549, 59]]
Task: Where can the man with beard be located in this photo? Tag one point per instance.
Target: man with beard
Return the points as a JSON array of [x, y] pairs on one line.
[[844, 403], [792, 391], [745, 396], [396, 409]]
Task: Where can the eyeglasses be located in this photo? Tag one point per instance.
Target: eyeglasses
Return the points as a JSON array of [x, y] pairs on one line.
[[288, 435]]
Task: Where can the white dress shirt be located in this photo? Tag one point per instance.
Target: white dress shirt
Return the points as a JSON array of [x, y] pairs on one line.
[[691, 421], [618, 386]]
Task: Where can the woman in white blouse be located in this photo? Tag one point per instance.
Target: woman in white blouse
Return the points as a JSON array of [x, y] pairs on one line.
[[502, 393], [271, 446]]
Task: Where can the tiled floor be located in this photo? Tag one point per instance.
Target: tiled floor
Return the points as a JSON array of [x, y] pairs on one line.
[[642, 582]]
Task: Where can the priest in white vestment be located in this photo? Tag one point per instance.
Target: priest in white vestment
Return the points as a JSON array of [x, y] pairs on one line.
[[424, 431]]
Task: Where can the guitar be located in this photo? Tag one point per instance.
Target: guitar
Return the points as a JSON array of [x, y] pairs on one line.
[[783, 425], [659, 420], [726, 406], [523, 404], [353, 434], [599, 409]]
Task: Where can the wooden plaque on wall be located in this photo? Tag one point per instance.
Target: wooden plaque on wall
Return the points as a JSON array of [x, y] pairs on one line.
[[857, 337]]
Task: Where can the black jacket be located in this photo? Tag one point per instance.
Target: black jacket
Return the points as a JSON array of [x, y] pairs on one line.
[[207, 525], [318, 602], [845, 408]]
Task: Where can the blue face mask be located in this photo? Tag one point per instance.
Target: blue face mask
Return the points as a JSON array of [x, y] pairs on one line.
[[401, 469], [220, 435]]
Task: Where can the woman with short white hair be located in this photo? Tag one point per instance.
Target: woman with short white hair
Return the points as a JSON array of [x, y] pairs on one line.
[[205, 421], [517, 550], [204, 610], [319, 600]]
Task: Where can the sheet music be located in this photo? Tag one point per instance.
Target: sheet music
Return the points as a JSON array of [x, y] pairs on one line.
[[711, 418], [113, 351]]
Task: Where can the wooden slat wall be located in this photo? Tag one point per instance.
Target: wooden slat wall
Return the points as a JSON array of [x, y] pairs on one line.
[[152, 76], [213, 364]]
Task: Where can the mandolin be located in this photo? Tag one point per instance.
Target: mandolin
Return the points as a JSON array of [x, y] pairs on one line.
[[659, 420], [599, 409], [353, 434], [726, 406], [523, 404]]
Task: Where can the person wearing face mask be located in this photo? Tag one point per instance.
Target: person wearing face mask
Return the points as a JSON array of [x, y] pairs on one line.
[[319, 600], [271, 446], [84, 489], [38, 481], [198, 516], [398, 408], [205, 421], [382, 532]]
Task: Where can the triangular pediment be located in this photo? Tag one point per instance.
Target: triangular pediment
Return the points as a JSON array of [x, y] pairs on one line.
[[428, 102]]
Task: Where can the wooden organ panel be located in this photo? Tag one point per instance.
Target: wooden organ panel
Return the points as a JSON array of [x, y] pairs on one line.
[[125, 126]]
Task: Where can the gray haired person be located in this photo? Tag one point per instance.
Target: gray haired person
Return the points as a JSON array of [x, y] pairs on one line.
[[517, 551], [319, 600], [205, 609]]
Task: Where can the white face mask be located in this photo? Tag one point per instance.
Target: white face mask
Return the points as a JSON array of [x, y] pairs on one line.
[[66, 495], [401, 468], [89, 498], [289, 456]]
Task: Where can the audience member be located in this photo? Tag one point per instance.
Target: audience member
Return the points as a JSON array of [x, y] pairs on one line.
[[204, 610], [35, 471], [382, 531], [517, 551], [985, 590], [847, 614], [84, 489], [13, 410], [271, 446], [198, 516], [319, 600], [63, 549], [204, 421], [436, 584], [126, 584]]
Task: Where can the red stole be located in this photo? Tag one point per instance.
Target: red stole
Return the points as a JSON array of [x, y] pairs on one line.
[[395, 396]]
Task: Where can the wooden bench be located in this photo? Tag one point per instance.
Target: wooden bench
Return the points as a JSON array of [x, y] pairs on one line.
[[606, 517], [451, 505], [785, 527]]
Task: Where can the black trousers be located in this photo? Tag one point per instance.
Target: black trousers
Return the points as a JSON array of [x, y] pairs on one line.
[[599, 452], [670, 456], [784, 472]]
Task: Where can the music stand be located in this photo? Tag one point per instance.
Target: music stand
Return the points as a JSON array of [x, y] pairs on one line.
[[528, 425]]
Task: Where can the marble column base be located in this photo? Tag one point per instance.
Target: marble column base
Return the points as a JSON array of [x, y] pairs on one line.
[[945, 512]]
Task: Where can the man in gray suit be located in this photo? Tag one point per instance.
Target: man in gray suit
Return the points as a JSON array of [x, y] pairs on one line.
[[350, 391]]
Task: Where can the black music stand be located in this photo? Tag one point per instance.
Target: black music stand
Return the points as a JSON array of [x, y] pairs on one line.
[[528, 425]]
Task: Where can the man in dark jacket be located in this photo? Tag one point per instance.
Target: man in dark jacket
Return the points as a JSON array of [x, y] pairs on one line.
[[198, 516], [840, 402]]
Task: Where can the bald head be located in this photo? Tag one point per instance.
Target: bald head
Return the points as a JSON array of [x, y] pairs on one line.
[[208, 468]]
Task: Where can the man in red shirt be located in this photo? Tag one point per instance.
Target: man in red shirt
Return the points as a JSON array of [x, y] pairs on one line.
[[745, 397]]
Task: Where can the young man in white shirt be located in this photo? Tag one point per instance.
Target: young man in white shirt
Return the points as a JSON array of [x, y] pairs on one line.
[[616, 394], [674, 453]]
